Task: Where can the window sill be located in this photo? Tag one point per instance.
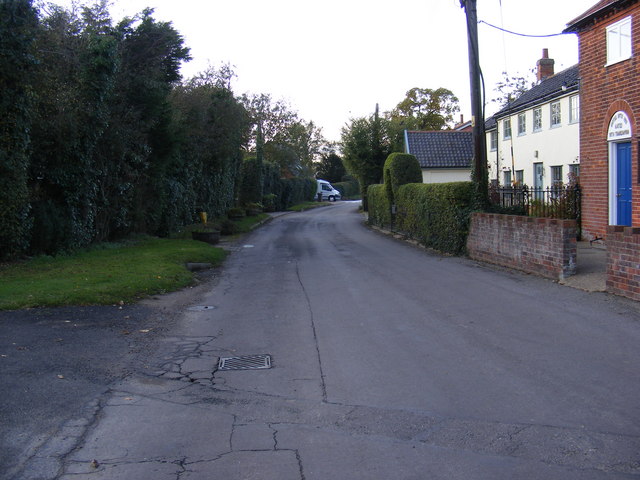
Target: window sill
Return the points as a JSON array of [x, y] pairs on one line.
[[615, 62]]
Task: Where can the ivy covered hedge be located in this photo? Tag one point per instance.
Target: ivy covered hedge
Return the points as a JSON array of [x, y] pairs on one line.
[[281, 193], [436, 215], [101, 138]]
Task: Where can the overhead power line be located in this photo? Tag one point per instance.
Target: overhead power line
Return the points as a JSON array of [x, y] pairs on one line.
[[520, 34]]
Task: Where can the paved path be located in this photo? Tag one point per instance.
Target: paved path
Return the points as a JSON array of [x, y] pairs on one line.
[[388, 362]]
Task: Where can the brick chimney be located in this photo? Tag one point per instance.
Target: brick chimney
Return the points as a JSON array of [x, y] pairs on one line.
[[545, 65]]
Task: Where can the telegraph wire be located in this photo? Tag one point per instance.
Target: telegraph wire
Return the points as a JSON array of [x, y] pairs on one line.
[[520, 34]]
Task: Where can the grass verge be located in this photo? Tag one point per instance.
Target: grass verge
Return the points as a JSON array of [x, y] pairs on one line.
[[106, 274]]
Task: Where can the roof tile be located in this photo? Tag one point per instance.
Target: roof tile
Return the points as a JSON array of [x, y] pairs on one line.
[[441, 149]]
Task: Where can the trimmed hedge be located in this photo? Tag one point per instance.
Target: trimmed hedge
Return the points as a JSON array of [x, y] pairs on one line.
[[436, 215], [350, 189], [379, 206], [278, 194], [400, 169]]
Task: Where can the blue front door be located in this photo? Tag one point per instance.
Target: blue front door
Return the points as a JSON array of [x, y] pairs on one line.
[[623, 184]]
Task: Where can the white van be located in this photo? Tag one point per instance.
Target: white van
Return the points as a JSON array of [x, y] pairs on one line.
[[327, 191]]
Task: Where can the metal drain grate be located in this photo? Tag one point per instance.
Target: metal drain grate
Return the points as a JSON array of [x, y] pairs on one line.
[[248, 362]]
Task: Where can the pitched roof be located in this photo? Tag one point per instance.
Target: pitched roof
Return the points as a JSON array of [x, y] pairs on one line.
[[440, 149], [558, 85], [599, 9], [490, 123]]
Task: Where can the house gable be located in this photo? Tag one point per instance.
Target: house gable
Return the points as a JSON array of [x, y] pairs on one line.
[[610, 167], [444, 149]]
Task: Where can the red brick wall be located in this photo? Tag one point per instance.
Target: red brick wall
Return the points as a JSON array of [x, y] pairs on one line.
[[623, 261], [604, 91], [543, 246]]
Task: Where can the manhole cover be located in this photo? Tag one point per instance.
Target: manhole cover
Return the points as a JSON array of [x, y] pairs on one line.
[[248, 362], [200, 308]]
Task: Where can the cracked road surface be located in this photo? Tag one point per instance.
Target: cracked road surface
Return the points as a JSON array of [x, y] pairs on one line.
[[387, 362]]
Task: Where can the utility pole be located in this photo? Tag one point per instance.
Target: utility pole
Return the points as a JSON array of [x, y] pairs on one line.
[[480, 172]]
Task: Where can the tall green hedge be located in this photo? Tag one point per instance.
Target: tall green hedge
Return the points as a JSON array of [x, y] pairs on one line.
[[17, 34], [436, 215], [348, 189], [379, 206], [400, 169], [282, 193], [251, 184]]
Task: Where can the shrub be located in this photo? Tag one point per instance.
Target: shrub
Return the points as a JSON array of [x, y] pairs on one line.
[[348, 189], [436, 215], [400, 169], [379, 206], [236, 212], [228, 227], [296, 190], [253, 209], [251, 181], [269, 202]]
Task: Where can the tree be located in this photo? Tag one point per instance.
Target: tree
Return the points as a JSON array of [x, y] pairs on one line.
[[305, 141], [274, 117], [366, 145], [213, 128], [422, 109], [18, 25], [511, 87], [331, 168]]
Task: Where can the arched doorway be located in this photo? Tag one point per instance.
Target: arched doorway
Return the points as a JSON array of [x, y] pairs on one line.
[[619, 138]]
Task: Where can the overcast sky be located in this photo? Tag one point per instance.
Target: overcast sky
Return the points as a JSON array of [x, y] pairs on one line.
[[335, 59]]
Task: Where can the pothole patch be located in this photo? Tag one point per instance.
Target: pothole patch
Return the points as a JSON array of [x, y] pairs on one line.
[[201, 308], [247, 362]]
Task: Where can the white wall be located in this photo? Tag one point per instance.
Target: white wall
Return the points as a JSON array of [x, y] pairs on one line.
[[554, 146], [445, 175]]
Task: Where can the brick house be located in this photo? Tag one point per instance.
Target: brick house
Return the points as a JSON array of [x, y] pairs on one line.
[[534, 140], [609, 37]]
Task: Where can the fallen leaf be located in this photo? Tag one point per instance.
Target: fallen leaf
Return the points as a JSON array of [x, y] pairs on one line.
[[128, 398], [3, 356], [60, 377], [146, 330], [125, 332], [94, 463]]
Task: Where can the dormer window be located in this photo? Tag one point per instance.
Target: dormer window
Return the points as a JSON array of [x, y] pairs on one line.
[[619, 41]]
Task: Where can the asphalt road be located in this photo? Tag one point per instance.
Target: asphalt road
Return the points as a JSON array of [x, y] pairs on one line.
[[388, 361]]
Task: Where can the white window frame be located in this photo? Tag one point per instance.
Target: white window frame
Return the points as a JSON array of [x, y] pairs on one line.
[[619, 42], [519, 177], [555, 110], [574, 108], [574, 172], [493, 140], [556, 175], [506, 177], [522, 124], [537, 119], [506, 125]]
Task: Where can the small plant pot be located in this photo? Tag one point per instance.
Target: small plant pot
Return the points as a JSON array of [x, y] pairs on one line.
[[212, 237]]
